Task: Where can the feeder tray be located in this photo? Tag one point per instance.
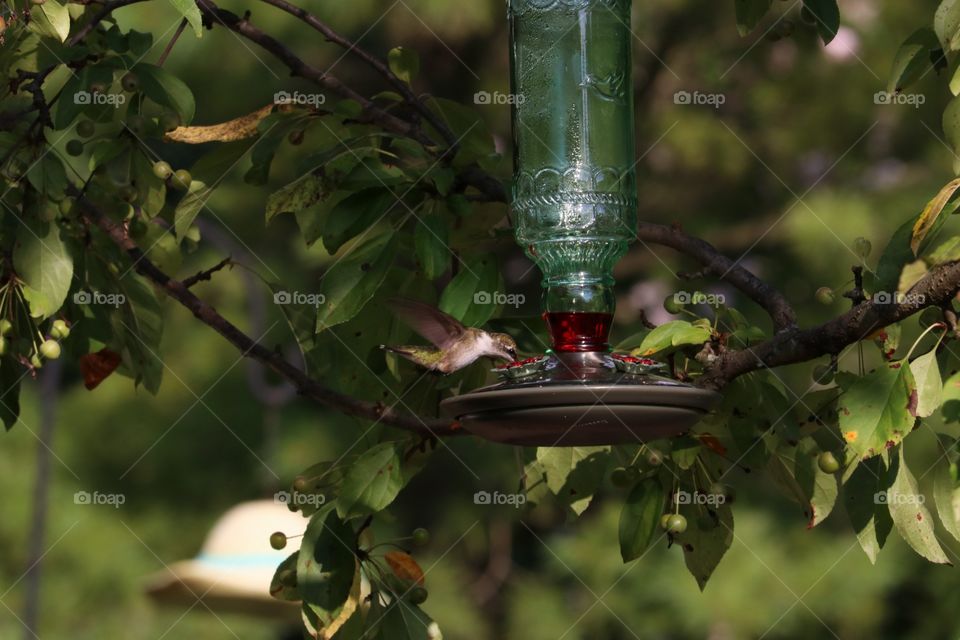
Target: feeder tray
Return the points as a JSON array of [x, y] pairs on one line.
[[580, 399], [574, 203]]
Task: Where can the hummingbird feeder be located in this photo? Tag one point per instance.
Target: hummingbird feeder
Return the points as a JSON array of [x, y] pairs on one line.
[[575, 212]]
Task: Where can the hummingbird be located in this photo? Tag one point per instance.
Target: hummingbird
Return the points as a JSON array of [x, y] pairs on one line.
[[456, 346]]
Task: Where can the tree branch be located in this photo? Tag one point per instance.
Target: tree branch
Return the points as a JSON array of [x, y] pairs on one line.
[[715, 263], [304, 384], [938, 288]]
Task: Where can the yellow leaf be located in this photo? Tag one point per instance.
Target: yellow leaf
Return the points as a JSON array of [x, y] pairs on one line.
[[237, 129], [348, 609], [404, 566], [930, 214]]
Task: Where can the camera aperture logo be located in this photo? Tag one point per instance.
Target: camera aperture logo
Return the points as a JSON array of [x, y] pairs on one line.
[[299, 298], [299, 98], [86, 498], [298, 499], [515, 500], [114, 300], [514, 300]]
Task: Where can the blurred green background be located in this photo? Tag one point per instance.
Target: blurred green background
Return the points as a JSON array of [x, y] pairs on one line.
[[797, 162]]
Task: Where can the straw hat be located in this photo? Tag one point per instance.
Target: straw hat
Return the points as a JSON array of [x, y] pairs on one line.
[[237, 563]]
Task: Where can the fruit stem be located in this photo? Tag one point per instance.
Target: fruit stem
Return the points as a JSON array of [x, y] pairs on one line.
[[935, 325]]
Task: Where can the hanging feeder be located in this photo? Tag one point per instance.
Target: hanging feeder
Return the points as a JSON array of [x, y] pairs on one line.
[[575, 212]]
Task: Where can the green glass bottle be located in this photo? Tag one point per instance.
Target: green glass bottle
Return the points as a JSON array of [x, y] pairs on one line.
[[574, 191]]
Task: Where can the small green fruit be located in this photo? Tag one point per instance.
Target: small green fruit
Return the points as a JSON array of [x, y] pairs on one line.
[[862, 247], [130, 82], [50, 349], [673, 305], [168, 121], [421, 537], [828, 463], [620, 478], [59, 329], [654, 457], [823, 374], [665, 521], [825, 295], [3, 346], [418, 595], [35, 362], [5, 327], [66, 206], [676, 524], [300, 484], [278, 540], [86, 128], [74, 148], [181, 179], [162, 169]]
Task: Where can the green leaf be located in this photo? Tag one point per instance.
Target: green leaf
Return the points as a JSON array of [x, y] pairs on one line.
[[404, 63], [328, 575], [51, 19], [44, 265], [371, 483], [946, 492], [951, 128], [189, 10], [48, 176], [300, 194], [675, 333], [946, 251], [750, 13], [640, 518], [868, 512], [350, 283], [167, 90], [685, 451], [469, 296], [151, 189], [878, 409], [928, 217], [279, 587], [926, 374], [138, 328], [706, 540], [819, 489], [354, 214], [827, 15], [573, 474], [430, 242], [190, 207], [911, 516], [946, 23], [912, 60], [405, 621], [10, 377]]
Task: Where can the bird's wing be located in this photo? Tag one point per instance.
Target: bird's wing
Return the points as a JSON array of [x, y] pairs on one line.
[[436, 326]]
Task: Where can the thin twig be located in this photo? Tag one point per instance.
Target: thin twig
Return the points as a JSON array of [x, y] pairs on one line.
[[173, 41]]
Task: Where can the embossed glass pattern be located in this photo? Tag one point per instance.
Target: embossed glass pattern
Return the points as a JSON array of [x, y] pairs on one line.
[[574, 192]]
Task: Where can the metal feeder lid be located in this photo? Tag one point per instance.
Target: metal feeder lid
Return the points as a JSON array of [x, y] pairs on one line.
[[580, 399]]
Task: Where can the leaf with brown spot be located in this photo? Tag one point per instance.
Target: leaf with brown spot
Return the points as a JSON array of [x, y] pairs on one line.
[[404, 566], [96, 367], [237, 129], [931, 212]]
